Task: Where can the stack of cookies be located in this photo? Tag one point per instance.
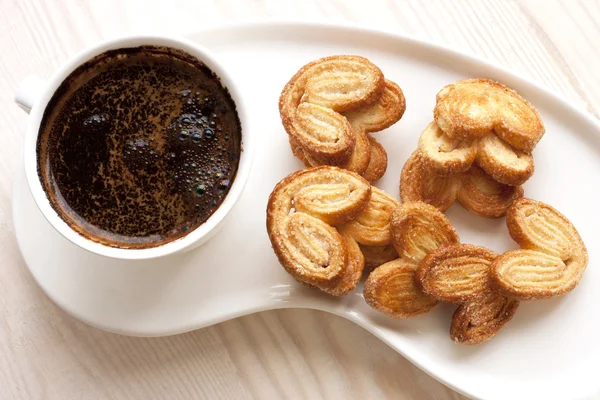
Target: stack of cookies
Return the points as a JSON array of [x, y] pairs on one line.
[[477, 150], [434, 267], [329, 107], [313, 217]]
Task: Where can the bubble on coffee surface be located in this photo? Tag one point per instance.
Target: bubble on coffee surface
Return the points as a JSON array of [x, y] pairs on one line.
[[140, 152]]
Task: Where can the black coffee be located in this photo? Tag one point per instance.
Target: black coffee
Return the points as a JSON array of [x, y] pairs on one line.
[[139, 146]]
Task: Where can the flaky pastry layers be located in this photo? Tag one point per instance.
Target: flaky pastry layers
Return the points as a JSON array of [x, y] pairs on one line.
[[455, 274], [372, 226], [433, 266], [447, 156], [552, 258], [330, 105], [472, 108], [474, 189], [480, 318], [302, 211], [416, 229], [320, 222], [378, 255], [484, 122], [460, 274], [371, 229]]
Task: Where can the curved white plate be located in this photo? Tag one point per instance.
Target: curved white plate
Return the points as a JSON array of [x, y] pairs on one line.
[[551, 348]]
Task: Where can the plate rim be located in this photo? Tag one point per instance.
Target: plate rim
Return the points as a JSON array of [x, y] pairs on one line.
[[277, 23]]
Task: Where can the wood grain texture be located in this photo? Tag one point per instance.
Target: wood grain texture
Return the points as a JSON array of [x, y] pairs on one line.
[[44, 353]]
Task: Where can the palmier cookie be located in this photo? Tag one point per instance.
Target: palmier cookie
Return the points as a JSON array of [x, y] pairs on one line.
[[372, 226], [302, 211], [447, 155], [480, 318], [417, 229], [552, 258], [472, 108], [371, 229], [391, 289], [474, 189], [330, 105], [459, 274]]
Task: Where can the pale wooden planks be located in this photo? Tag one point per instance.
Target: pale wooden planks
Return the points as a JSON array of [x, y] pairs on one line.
[[294, 353]]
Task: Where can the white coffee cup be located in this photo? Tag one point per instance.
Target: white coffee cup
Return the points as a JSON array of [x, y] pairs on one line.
[[33, 96]]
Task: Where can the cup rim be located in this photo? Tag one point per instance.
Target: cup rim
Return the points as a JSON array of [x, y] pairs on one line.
[[194, 237]]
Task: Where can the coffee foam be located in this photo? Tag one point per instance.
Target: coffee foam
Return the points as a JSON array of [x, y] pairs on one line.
[[138, 147]]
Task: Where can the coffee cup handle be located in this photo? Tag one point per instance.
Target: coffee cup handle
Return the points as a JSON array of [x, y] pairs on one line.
[[30, 89]]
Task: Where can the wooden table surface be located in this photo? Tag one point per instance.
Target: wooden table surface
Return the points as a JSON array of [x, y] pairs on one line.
[[44, 353]]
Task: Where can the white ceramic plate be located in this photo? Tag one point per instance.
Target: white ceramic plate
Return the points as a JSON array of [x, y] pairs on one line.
[[547, 351]]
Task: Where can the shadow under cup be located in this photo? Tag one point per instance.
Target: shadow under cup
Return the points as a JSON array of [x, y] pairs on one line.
[[139, 147]]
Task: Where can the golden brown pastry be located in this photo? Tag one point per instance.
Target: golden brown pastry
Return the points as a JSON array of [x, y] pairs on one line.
[[419, 182], [330, 105], [455, 274], [484, 122], [326, 224], [380, 114], [434, 267], [474, 189], [377, 161], [301, 212], [391, 289], [505, 164], [552, 258], [483, 196], [377, 255], [444, 154], [472, 108], [354, 270], [417, 228], [372, 226], [481, 317], [447, 156], [460, 274], [371, 229]]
